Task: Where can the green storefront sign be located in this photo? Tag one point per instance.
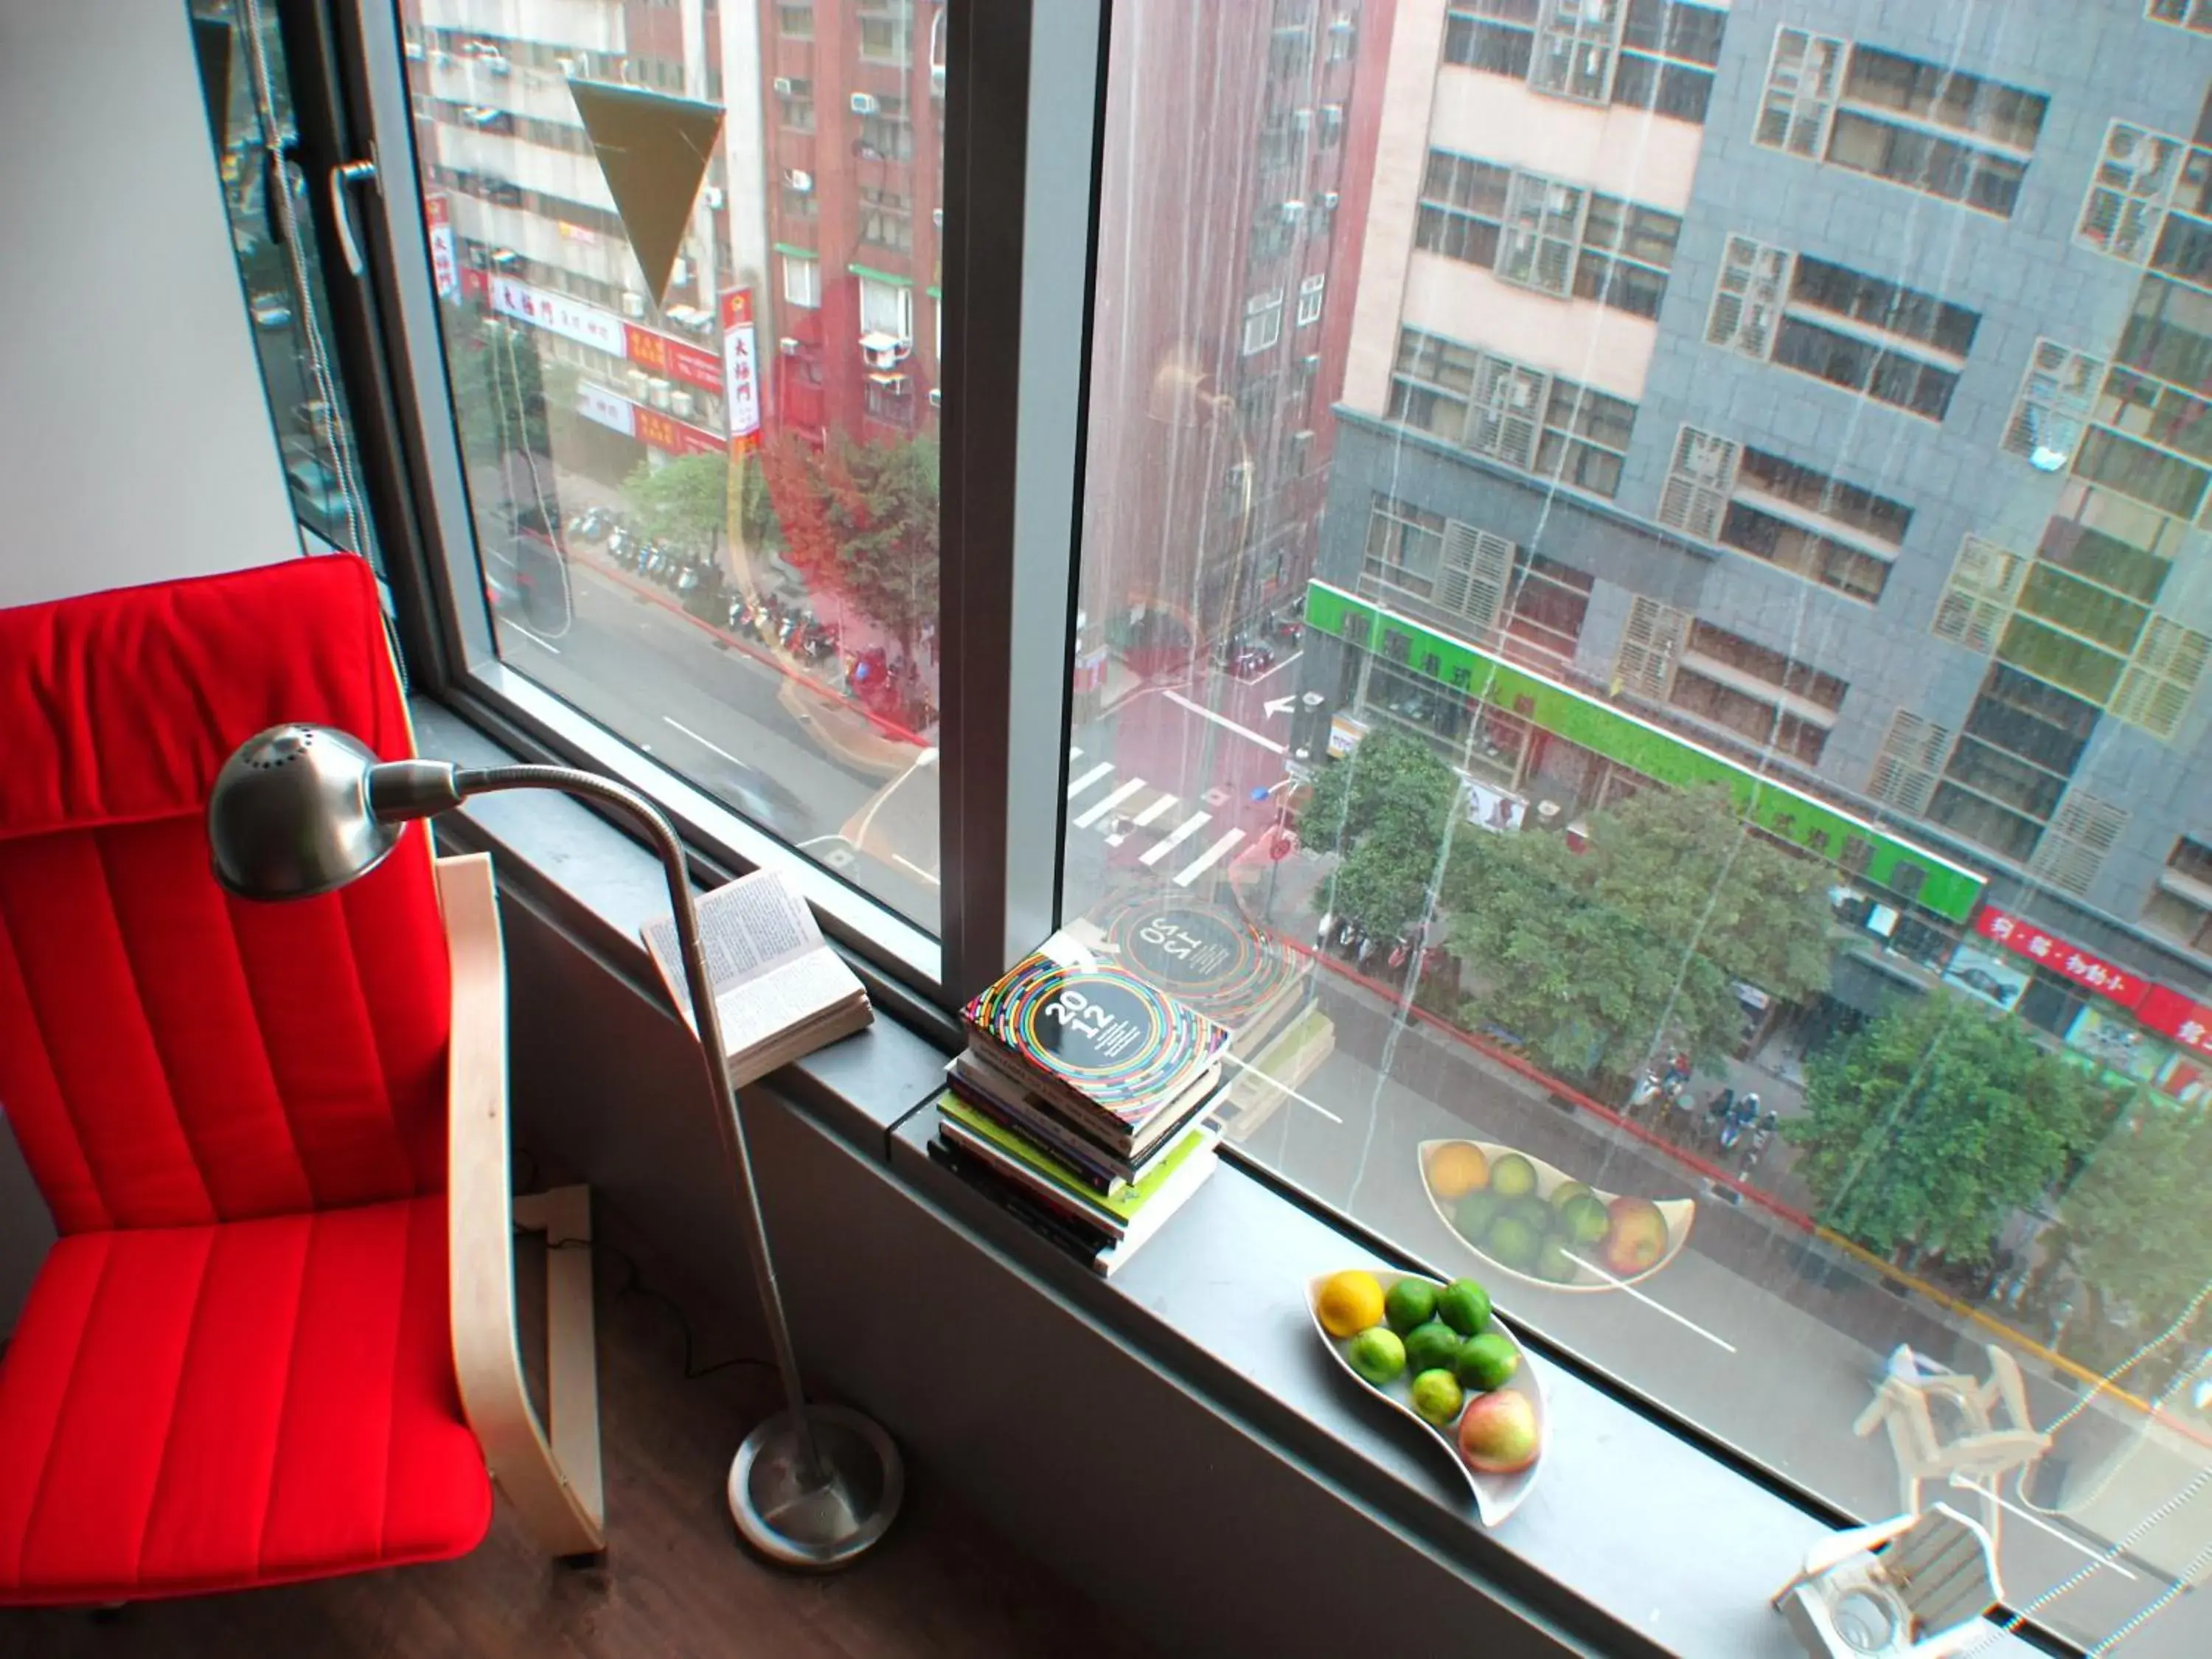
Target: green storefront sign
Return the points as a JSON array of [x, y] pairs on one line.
[[1943, 887]]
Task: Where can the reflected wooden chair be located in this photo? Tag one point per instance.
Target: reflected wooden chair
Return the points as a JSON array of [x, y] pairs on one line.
[[1912, 1587], [1977, 1460]]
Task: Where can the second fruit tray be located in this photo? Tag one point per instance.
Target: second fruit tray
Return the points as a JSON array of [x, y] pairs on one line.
[[1590, 1274]]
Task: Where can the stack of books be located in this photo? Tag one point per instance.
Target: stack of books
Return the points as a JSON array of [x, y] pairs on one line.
[[1081, 1105]]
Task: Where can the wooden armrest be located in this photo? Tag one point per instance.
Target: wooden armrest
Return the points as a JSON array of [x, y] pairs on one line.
[[556, 1485]]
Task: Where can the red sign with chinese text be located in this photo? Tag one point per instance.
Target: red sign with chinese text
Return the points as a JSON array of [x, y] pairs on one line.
[[676, 437], [740, 369], [672, 359], [2025, 939], [2172, 1014]]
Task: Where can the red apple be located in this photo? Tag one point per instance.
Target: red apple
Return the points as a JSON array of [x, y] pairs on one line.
[[1498, 1433], [1635, 1237]]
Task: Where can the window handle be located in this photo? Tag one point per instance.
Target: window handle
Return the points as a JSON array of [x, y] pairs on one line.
[[345, 173]]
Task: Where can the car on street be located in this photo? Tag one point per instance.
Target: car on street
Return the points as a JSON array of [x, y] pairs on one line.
[[1980, 979], [1245, 658], [272, 308]]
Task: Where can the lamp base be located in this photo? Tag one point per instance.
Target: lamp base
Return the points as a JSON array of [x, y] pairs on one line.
[[816, 1520]]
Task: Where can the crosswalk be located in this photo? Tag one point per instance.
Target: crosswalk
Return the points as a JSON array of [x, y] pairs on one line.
[[1115, 815]]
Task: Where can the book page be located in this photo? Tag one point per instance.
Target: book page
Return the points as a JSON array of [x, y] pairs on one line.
[[749, 929], [755, 1010]]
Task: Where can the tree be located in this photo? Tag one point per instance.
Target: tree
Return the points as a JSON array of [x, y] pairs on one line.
[[1935, 1123], [685, 501], [2136, 1221], [1599, 959], [1389, 809], [885, 510], [501, 388], [799, 483]]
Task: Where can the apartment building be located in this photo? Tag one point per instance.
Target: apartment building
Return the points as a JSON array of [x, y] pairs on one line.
[[1807, 395]]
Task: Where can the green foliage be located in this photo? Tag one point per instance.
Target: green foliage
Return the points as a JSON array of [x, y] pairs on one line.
[[1935, 1123], [2140, 1229], [501, 389], [1388, 808], [1599, 959], [685, 502], [883, 509]]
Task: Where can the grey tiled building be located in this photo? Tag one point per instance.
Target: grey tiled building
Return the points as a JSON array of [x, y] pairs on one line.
[[1819, 383]]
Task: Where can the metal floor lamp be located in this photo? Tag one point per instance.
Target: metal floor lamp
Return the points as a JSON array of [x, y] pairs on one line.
[[302, 809]]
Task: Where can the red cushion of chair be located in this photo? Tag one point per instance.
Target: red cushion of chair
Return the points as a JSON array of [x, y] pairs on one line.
[[170, 1056], [202, 1408]]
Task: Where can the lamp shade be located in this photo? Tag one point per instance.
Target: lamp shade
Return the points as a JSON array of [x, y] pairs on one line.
[[290, 815]]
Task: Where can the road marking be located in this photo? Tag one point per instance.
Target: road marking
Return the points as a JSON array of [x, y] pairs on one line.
[[1622, 1284], [2063, 1536], [1184, 877], [1108, 803], [1153, 810], [1089, 778], [705, 742], [1246, 1065], [1073, 753], [1278, 668], [1204, 713], [1182, 833], [542, 645], [901, 857]]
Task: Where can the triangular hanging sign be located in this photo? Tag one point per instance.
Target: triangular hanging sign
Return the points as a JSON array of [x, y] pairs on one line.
[[654, 149]]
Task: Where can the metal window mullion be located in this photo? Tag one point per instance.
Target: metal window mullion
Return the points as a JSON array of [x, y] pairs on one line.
[[1022, 133]]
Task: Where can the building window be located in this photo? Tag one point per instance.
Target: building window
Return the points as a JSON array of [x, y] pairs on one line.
[[1809, 523], [1747, 298], [1893, 117], [1668, 51], [1759, 694], [886, 135], [795, 20], [1263, 320], [802, 281], [890, 398], [1648, 54], [1865, 333], [887, 32], [1695, 496], [1911, 762], [1404, 551], [887, 308], [886, 219], [794, 103], [2155, 690], [1310, 297], [2150, 203], [1496, 35], [1540, 233], [1574, 51], [2183, 14], [1519, 416], [796, 203], [2180, 906], [2055, 399], [1977, 600]]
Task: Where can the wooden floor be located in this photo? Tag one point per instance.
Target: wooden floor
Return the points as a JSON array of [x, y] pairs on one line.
[[676, 1584]]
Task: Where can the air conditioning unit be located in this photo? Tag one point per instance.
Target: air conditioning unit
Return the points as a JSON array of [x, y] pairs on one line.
[[937, 397], [633, 305], [885, 351], [657, 391], [864, 103], [936, 217], [577, 67], [640, 384], [1293, 211], [713, 197], [1310, 363], [936, 80], [1301, 120], [1329, 201], [781, 86], [504, 258], [897, 385], [801, 181], [787, 346], [679, 271], [682, 403]]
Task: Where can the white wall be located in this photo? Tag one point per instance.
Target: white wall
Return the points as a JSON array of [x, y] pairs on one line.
[[135, 441]]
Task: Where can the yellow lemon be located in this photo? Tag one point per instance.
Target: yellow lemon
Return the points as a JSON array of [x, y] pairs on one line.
[[1349, 1303], [1456, 1168]]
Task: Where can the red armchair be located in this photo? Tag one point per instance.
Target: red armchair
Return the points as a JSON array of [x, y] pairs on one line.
[[275, 1338]]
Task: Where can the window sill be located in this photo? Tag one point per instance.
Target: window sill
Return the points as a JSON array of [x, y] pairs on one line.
[[1634, 1541]]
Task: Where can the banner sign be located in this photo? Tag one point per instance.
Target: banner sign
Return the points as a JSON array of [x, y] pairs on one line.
[[672, 359], [556, 313], [740, 365], [2024, 938], [648, 426], [2172, 1014], [445, 260]]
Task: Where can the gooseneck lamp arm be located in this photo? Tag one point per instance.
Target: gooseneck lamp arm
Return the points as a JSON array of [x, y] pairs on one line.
[[299, 810]]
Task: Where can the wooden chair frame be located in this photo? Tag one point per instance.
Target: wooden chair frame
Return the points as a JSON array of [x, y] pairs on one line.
[[553, 1479]]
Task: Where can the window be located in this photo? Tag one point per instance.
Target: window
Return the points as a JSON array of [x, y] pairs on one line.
[[802, 281], [1677, 763], [887, 308], [1540, 233], [1263, 320], [1894, 117]]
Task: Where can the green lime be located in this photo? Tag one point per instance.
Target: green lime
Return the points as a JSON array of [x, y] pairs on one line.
[[1472, 1218], [1488, 1362], [1512, 1243], [1432, 1347], [1512, 1176], [1585, 1219], [1464, 1306], [1537, 1216], [1376, 1354], [1410, 1301], [1555, 1260], [1566, 1194], [1438, 1396]]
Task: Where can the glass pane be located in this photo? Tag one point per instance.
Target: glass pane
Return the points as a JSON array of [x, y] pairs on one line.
[[247, 89], [697, 387], [1524, 840]]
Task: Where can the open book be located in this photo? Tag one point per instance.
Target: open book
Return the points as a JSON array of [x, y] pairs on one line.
[[779, 990]]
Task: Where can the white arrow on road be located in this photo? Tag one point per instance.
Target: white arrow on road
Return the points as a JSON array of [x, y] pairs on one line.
[[1280, 705]]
